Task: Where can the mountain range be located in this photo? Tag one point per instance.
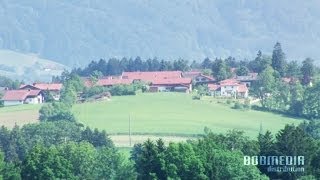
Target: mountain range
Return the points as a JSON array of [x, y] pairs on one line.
[[74, 32]]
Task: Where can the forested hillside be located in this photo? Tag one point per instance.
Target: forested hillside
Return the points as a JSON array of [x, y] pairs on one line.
[[75, 32]]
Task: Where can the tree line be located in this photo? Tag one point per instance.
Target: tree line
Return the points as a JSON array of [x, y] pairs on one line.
[[59, 150], [217, 156], [219, 68], [67, 150], [299, 96]]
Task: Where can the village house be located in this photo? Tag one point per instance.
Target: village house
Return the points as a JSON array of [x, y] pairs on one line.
[[162, 81], [203, 79], [18, 97], [53, 88], [229, 88], [249, 79], [173, 84]]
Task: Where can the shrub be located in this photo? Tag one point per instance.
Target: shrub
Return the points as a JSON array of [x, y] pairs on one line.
[[237, 105], [229, 101], [121, 90], [196, 97], [246, 104], [48, 97], [55, 112], [95, 90]]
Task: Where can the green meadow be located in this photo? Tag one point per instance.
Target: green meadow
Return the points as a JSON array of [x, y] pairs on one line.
[[174, 114]]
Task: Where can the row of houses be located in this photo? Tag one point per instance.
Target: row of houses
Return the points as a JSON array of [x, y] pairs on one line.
[[162, 81], [159, 81], [31, 94]]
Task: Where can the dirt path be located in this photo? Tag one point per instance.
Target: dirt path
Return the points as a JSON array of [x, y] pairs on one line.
[[123, 140]]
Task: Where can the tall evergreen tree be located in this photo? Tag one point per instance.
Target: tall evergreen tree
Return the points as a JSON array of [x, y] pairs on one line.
[[220, 70], [278, 59], [260, 63], [294, 141], [242, 71], [195, 65], [124, 63], [307, 71], [293, 69], [206, 64]]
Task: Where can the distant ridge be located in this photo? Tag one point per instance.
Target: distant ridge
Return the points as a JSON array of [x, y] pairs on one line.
[[28, 67], [74, 32]]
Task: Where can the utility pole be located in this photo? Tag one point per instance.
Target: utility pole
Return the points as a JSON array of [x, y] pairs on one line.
[[130, 130]]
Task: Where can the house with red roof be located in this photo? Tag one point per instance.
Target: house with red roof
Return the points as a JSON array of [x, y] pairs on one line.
[[161, 81], [172, 84], [248, 79], [203, 79], [18, 97], [53, 88], [199, 78], [157, 81], [229, 88]]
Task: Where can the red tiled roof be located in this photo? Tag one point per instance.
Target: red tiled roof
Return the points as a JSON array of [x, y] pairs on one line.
[[34, 92], [47, 86], [149, 76], [27, 86], [242, 88], [213, 87], [229, 82], [172, 81], [19, 95]]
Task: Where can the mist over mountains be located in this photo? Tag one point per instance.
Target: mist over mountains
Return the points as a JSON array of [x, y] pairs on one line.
[[74, 32]]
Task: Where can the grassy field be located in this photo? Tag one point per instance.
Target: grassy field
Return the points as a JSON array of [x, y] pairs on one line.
[[20, 115], [174, 117], [174, 114]]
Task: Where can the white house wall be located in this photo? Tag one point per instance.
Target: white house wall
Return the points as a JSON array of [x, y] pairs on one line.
[[12, 103], [34, 100]]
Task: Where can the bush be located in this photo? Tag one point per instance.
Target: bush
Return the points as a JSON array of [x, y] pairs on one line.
[[48, 97], [196, 97], [1, 104], [237, 105], [55, 112], [246, 104], [122, 90], [140, 86], [92, 91], [229, 101]]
